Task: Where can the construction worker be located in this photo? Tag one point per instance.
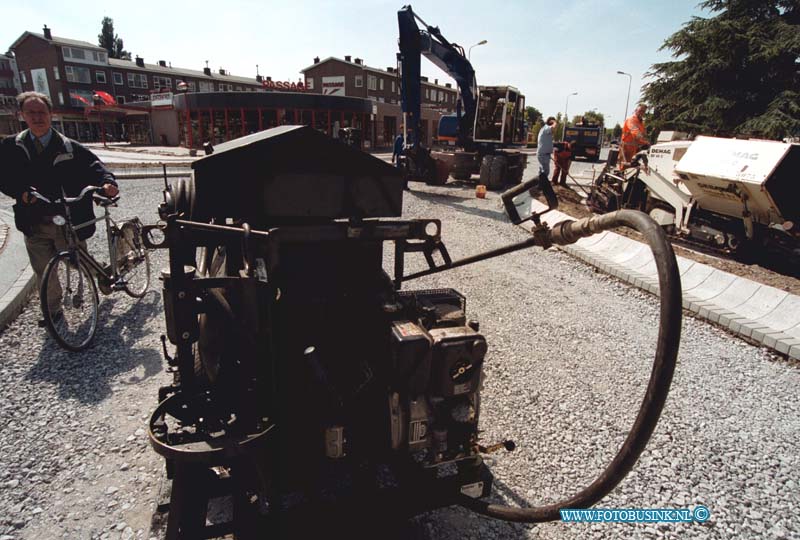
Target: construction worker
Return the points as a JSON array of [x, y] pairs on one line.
[[563, 159], [634, 136], [545, 147]]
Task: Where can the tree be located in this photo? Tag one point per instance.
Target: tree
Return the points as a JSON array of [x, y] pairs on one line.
[[532, 114], [735, 73], [592, 117], [111, 41]]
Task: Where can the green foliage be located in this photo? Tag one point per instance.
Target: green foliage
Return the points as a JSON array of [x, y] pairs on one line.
[[532, 114], [112, 42], [592, 117], [614, 133], [735, 73], [533, 132]]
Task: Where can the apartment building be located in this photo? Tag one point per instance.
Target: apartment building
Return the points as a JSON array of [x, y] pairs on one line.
[[351, 77], [71, 72], [9, 88]]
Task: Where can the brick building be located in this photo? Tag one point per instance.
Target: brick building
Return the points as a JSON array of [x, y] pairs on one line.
[[9, 88], [72, 71], [351, 77], [216, 105]]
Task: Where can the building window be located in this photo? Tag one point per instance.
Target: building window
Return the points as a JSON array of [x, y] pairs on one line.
[[56, 74], [23, 77], [206, 86], [162, 82], [99, 56], [238, 88], [225, 87], [100, 77], [137, 80], [359, 81], [310, 83], [192, 86], [78, 74], [77, 54], [393, 89], [60, 98], [120, 100], [427, 93], [380, 85], [372, 82], [117, 78]]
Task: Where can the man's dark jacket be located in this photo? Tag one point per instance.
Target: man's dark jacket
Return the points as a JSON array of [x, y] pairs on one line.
[[63, 164]]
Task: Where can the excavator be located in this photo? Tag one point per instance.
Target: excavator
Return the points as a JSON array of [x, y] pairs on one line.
[[488, 119]]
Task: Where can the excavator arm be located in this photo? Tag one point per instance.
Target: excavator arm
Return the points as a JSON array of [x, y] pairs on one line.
[[449, 57]]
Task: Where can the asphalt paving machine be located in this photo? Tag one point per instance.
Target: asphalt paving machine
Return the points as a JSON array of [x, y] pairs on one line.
[[732, 195], [311, 390]]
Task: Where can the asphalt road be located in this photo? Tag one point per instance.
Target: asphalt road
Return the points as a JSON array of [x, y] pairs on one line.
[[570, 352]]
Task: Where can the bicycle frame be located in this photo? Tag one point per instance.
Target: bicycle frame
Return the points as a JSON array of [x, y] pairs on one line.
[[73, 245]]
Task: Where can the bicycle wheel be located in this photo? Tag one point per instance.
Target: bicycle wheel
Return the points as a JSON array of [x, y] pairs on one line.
[[133, 260], [69, 302]]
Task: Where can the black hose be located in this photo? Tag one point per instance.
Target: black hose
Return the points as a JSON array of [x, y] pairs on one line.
[[669, 334]]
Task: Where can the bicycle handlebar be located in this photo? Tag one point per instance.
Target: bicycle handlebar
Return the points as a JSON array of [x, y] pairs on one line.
[[70, 200]]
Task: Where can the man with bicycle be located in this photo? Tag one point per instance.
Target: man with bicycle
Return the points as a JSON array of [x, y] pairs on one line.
[[43, 160]]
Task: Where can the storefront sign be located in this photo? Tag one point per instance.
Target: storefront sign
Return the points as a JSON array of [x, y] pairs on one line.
[[333, 86], [285, 85], [163, 99]]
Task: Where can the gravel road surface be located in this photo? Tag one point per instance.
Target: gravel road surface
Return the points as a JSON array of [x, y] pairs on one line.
[[570, 353]]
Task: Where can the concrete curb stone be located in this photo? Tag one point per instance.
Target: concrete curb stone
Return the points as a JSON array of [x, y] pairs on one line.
[[766, 315], [17, 279]]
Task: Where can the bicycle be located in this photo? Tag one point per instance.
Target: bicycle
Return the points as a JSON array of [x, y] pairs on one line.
[[73, 323]]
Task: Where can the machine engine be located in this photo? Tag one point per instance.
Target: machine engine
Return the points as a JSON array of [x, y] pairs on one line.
[[298, 357]]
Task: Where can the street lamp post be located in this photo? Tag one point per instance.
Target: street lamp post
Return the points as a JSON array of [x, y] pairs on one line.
[[481, 42], [564, 130], [628, 97]]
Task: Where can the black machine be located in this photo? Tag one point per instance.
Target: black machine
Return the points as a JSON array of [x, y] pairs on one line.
[[308, 385]]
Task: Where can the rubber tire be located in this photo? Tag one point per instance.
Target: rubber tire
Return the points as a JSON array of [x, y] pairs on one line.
[[497, 172], [486, 170], [48, 319], [138, 244], [519, 171]]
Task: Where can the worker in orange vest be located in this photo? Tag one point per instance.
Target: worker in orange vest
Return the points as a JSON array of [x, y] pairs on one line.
[[633, 133], [563, 159]]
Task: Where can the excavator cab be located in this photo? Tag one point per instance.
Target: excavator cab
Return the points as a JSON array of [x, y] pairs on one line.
[[500, 115]]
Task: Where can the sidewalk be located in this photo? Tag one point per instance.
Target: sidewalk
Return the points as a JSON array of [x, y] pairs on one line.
[[755, 312], [16, 276]]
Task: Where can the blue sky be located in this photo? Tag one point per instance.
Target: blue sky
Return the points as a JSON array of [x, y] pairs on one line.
[[547, 49]]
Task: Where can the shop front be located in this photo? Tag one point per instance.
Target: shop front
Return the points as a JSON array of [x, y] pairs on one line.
[[222, 116], [106, 124]]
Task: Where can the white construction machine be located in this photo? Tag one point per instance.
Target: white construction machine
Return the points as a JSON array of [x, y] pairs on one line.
[[733, 195]]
